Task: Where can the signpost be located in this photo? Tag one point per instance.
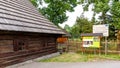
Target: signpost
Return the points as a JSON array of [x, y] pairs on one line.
[[104, 28]]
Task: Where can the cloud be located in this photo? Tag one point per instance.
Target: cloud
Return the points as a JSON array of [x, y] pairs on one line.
[[73, 15]]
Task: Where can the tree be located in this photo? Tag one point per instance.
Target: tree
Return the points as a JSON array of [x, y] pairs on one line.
[[100, 6], [67, 28], [103, 7], [56, 9], [114, 18], [34, 2], [115, 11], [82, 25]]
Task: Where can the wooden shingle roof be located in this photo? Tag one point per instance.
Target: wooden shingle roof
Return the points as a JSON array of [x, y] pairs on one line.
[[21, 15]]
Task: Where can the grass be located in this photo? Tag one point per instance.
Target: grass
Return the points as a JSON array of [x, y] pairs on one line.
[[77, 57]]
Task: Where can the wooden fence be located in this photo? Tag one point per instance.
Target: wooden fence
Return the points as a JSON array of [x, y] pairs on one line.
[[76, 46]]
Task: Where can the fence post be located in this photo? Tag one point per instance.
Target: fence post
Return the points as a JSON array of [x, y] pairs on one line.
[[106, 45]]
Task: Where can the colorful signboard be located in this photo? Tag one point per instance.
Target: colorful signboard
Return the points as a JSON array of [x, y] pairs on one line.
[[91, 41]]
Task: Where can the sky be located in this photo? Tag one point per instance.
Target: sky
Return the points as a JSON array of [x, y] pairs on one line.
[[73, 15], [78, 10]]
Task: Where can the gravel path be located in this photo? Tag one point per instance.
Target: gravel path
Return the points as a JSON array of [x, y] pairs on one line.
[[100, 64]]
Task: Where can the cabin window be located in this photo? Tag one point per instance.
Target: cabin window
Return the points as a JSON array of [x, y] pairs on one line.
[[6, 46], [20, 45]]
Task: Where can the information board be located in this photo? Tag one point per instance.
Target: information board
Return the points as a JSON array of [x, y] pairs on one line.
[[91, 42], [101, 29]]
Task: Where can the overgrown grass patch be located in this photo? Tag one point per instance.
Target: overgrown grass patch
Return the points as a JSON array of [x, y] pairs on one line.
[[78, 57]]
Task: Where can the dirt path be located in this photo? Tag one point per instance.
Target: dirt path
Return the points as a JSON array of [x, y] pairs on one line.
[[101, 64]]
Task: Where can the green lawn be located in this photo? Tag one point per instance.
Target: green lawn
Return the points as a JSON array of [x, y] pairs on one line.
[[77, 57]]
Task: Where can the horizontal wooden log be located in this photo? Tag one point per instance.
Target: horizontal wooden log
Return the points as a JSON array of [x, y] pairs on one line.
[[23, 57]]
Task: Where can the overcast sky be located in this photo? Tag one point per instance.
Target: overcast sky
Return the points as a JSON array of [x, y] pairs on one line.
[[73, 15]]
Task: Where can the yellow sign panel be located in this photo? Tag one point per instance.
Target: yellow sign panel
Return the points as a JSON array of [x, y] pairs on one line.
[[91, 42]]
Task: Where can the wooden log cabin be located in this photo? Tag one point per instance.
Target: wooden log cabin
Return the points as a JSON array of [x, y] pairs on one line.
[[24, 33]]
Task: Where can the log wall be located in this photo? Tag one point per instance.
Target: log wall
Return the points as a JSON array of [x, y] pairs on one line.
[[6, 46], [19, 48]]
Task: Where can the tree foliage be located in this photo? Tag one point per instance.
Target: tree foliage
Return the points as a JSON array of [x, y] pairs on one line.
[[67, 28], [99, 6], [56, 9], [56, 13], [115, 11], [104, 7], [34, 2], [82, 25]]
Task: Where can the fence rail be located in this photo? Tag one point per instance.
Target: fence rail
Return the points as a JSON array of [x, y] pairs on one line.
[[76, 46]]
